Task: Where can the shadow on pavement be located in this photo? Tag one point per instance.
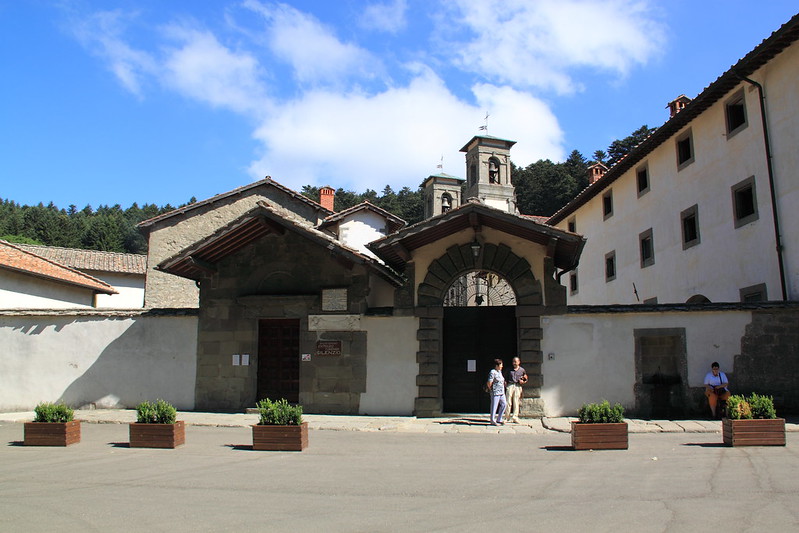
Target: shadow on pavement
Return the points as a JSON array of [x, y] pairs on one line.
[[466, 422], [17, 443], [247, 447], [119, 444], [706, 444], [557, 448]]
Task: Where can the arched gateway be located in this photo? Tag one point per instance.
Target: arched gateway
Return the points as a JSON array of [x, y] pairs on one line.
[[455, 343]]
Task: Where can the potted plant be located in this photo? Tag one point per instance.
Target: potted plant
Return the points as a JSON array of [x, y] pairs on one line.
[[53, 425], [156, 426], [752, 421], [601, 427], [280, 427]]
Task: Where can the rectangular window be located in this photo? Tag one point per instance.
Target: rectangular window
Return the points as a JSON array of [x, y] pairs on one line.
[[647, 247], [690, 227], [642, 178], [744, 202], [651, 301], [754, 293], [610, 266], [607, 204], [685, 150], [573, 286], [735, 113], [572, 225]]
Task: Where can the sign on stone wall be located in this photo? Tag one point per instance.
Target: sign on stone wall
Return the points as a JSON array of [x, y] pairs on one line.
[[334, 322], [334, 299], [332, 348]]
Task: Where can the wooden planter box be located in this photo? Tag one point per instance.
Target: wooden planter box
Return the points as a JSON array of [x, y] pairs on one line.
[[52, 433], [768, 432], [157, 435], [599, 436], [280, 438]]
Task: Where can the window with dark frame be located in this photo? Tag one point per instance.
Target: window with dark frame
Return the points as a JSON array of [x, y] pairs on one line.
[[573, 286], [610, 266], [607, 204], [647, 248], [744, 202], [572, 225], [685, 150], [690, 227], [735, 111], [754, 293], [642, 178]]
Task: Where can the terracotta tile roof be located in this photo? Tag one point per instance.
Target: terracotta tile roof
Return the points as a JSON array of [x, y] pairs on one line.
[[536, 218], [781, 39], [145, 224], [19, 260], [90, 259]]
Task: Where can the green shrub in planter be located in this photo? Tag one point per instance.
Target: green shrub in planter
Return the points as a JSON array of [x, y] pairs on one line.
[[755, 406], [53, 412], [160, 412], [601, 413], [279, 413]]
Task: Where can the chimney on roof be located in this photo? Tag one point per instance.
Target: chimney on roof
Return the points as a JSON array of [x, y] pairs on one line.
[[677, 105], [596, 171], [327, 196]]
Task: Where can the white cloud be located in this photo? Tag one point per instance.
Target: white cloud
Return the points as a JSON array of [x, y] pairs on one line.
[[202, 68], [314, 52], [395, 137], [102, 34], [388, 17], [537, 44]]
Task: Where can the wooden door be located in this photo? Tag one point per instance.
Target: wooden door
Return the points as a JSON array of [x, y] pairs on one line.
[[279, 359], [479, 334]]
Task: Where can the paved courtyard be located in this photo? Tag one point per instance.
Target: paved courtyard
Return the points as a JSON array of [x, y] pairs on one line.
[[387, 480]]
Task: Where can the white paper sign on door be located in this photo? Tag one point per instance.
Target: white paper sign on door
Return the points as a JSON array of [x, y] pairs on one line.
[[471, 365]]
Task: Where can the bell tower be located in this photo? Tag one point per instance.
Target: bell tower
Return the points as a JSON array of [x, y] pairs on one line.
[[442, 192], [488, 172]]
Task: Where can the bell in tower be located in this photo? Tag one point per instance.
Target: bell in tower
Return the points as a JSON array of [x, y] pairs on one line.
[[442, 193], [488, 171]]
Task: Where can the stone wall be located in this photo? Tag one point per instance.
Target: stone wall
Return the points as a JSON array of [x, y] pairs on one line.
[[97, 358], [769, 358], [280, 277], [174, 234]]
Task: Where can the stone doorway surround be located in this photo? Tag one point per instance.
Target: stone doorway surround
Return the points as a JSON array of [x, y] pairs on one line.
[[457, 260]]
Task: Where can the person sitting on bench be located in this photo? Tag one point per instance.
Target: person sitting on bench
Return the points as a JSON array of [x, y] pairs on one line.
[[716, 387]]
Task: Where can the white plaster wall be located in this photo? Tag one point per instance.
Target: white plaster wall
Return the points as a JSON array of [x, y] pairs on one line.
[[22, 291], [129, 287], [593, 355], [726, 259], [111, 362], [782, 97], [360, 228], [391, 366]]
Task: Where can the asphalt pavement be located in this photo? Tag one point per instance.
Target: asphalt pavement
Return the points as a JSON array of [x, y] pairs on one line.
[[391, 479]]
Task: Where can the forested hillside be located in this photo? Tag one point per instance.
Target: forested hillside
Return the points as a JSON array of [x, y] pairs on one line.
[[542, 188]]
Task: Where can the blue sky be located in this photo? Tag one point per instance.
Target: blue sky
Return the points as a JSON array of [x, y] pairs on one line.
[[156, 101]]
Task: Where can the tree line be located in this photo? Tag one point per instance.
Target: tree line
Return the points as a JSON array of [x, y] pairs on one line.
[[542, 188]]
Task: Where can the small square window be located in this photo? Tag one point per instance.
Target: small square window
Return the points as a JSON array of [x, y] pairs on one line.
[[647, 247], [607, 204], [754, 293], [610, 266], [744, 202], [642, 179], [572, 225], [690, 227], [685, 150], [573, 284], [735, 113]]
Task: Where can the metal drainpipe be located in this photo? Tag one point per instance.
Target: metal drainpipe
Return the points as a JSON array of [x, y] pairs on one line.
[[770, 182]]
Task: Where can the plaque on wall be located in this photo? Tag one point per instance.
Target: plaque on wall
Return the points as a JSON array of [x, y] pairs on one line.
[[334, 299], [328, 348]]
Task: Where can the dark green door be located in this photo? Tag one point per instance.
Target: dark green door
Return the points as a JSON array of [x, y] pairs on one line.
[[474, 336]]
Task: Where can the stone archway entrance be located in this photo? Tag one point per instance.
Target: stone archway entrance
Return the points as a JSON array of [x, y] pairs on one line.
[[522, 323]]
